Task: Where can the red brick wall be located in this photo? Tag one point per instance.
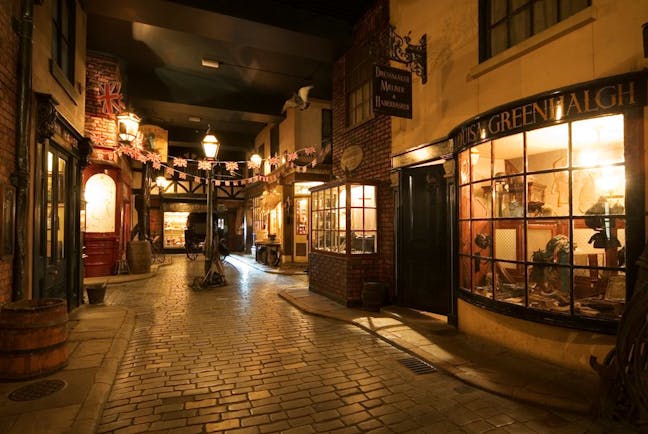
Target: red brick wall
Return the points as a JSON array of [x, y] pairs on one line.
[[330, 274], [8, 105], [99, 126]]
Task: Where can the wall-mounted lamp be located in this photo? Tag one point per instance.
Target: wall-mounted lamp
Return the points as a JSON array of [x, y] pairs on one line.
[[127, 126], [210, 144], [161, 182], [255, 161]]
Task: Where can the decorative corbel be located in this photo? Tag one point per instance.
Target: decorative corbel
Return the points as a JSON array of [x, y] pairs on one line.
[[46, 116]]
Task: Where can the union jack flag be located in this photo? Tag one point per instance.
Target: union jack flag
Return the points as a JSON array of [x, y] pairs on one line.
[[110, 98]]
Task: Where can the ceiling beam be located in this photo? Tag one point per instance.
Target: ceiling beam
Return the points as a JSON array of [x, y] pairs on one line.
[[216, 26]]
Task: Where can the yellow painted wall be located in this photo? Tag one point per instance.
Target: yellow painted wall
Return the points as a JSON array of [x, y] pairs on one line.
[[600, 41], [559, 345], [72, 107]]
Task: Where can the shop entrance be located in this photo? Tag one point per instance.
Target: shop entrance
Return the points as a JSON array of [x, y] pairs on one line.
[[56, 239], [423, 273]]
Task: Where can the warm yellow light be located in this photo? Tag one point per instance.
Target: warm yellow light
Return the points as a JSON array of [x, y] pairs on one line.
[[255, 159], [559, 111], [210, 145], [127, 126], [588, 158], [611, 181], [474, 156], [161, 182]]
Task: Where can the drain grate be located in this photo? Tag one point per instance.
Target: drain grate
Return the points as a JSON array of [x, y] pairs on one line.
[[37, 390], [419, 367]]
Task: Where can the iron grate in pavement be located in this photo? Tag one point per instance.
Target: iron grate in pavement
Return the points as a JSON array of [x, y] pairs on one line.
[[37, 390], [419, 367]]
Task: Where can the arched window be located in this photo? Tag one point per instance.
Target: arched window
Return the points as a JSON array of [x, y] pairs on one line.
[[100, 196]]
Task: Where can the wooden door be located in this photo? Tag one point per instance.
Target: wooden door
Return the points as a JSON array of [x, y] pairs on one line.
[[424, 275]]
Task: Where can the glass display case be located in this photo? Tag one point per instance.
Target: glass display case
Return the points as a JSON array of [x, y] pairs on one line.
[[543, 219], [344, 218], [175, 224]]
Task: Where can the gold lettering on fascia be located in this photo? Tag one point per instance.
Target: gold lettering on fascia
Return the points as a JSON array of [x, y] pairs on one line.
[[552, 108]]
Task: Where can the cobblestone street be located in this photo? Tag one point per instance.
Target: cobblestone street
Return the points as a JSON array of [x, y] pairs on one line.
[[240, 359]]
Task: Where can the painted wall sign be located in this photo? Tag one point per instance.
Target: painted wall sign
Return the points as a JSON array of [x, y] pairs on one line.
[[392, 91], [597, 97]]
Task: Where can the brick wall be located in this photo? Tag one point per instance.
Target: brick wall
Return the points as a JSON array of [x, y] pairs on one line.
[[8, 105], [374, 137], [99, 126]]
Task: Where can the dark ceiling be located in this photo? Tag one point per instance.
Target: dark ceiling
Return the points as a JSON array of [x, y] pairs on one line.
[[267, 50]]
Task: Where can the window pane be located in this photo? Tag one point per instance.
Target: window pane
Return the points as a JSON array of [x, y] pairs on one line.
[[497, 10], [598, 141], [481, 200], [356, 219], [599, 191], [464, 168], [549, 286], [61, 209], [570, 7], [357, 195], [509, 282], [480, 160], [466, 240], [464, 272], [499, 39], [369, 245], [482, 238], [509, 197], [599, 293], [545, 14], [548, 194], [464, 202], [520, 26], [508, 155], [370, 196], [482, 277], [517, 4], [370, 219], [509, 240], [548, 241], [547, 148]]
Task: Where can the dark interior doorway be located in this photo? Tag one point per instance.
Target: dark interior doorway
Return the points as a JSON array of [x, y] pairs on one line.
[[424, 275]]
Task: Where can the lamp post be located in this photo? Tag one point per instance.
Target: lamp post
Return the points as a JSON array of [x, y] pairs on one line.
[[213, 267]]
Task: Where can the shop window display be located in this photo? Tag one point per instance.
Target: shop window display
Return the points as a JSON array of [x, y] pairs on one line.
[[344, 219], [542, 218]]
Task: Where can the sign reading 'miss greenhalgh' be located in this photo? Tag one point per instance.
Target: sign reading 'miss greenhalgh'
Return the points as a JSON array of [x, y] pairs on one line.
[[392, 91]]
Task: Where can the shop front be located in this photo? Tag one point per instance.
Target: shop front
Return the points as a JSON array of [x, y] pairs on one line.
[[551, 204], [549, 198]]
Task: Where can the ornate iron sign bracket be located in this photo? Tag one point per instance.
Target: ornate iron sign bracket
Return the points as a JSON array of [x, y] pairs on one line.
[[403, 51]]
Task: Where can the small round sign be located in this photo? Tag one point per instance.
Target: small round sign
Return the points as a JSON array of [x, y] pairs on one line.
[[351, 158]]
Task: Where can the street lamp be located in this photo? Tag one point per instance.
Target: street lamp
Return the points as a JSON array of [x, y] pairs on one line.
[[213, 268]]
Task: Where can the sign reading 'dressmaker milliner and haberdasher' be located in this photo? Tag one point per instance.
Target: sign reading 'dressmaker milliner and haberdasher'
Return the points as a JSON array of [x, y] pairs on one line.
[[392, 91]]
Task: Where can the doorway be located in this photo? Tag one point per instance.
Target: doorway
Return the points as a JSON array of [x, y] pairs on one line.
[[57, 241], [424, 275]]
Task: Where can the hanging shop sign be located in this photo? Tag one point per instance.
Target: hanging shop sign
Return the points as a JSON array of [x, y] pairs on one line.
[[613, 94], [392, 91]]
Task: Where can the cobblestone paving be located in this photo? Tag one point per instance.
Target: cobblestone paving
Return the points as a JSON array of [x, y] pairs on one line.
[[240, 359]]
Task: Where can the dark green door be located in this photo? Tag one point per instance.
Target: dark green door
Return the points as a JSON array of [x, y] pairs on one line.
[[424, 275]]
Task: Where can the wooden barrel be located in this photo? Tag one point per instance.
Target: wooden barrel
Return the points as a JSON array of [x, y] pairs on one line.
[[372, 295], [138, 255], [33, 338]]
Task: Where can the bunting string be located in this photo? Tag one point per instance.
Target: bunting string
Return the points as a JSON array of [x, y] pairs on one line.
[[183, 166]]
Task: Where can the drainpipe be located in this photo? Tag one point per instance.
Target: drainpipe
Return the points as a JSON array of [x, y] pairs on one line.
[[21, 176]]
